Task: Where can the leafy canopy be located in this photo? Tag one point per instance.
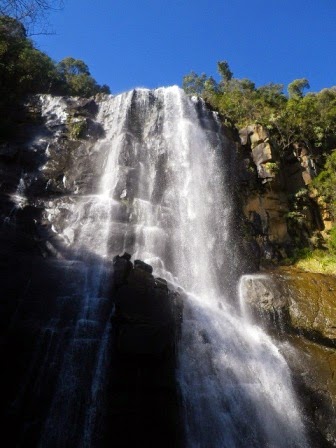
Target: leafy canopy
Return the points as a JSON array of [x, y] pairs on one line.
[[297, 117]]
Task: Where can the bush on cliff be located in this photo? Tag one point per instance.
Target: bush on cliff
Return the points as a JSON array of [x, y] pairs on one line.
[[325, 184]]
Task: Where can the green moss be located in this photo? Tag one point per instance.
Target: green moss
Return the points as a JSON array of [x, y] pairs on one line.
[[76, 129], [272, 167]]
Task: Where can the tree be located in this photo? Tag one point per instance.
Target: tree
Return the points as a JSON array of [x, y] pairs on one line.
[[31, 13], [77, 78], [72, 67], [224, 71], [24, 70], [296, 87], [194, 84], [11, 28]]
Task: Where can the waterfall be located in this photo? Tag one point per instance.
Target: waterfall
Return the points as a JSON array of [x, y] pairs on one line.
[[165, 196]]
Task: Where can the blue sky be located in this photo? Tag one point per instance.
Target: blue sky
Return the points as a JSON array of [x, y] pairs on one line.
[[152, 43]]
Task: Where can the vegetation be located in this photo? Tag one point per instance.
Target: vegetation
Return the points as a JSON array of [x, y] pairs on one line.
[[296, 120], [309, 118], [24, 70], [314, 260], [325, 184]]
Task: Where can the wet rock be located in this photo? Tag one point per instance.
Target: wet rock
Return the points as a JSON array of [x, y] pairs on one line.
[[144, 266], [8, 152], [144, 309], [306, 300], [314, 369], [299, 309], [83, 107], [146, 323]]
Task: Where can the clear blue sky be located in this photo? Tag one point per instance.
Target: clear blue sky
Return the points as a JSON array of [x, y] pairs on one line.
[[152, 43]]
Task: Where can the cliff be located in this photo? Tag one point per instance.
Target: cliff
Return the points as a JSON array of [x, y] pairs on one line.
[[281, 213]]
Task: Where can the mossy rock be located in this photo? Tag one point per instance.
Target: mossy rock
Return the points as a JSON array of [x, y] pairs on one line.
[[76, 128], [306, 301], [313, 302]]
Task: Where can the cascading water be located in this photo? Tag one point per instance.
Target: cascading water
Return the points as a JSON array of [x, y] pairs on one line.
[[164, 196]]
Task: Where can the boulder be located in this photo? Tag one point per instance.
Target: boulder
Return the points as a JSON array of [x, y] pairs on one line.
[[86, 107], [305, 300], [299, 309]]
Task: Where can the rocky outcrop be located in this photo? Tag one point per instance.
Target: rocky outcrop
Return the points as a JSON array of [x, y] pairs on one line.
[[280, 213], [304, 301], [146, 322], [256, 138], [299, 309], [147, 314]]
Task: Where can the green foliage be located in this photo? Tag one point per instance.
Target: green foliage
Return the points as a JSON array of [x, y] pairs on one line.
[[296, 87], [308, 118], [194, 84], [272, 167], [76, 129], [24, 70], [224, 71], [314, 260], [332, 240], [72, 67], [77, 78], [325, 183]]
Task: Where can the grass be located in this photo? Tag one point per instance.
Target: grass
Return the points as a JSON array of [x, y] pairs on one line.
[[314, 260]]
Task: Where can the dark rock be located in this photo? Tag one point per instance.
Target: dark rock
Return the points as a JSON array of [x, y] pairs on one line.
[[83, 107], [8, 152], [144, 312], [144, 266], [122, 266], [93, 129], [144, 393]]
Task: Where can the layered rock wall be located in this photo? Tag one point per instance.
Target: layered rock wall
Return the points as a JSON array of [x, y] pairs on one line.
[[281, 214]]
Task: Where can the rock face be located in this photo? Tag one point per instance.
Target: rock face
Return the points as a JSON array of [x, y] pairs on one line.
[[299, 307], [144, 394], [280, 213], [57, 339], [256, 138]]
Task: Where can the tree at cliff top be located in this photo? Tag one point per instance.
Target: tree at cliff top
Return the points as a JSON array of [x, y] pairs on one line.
[[78, 81], [24, 70], [310, 118]]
